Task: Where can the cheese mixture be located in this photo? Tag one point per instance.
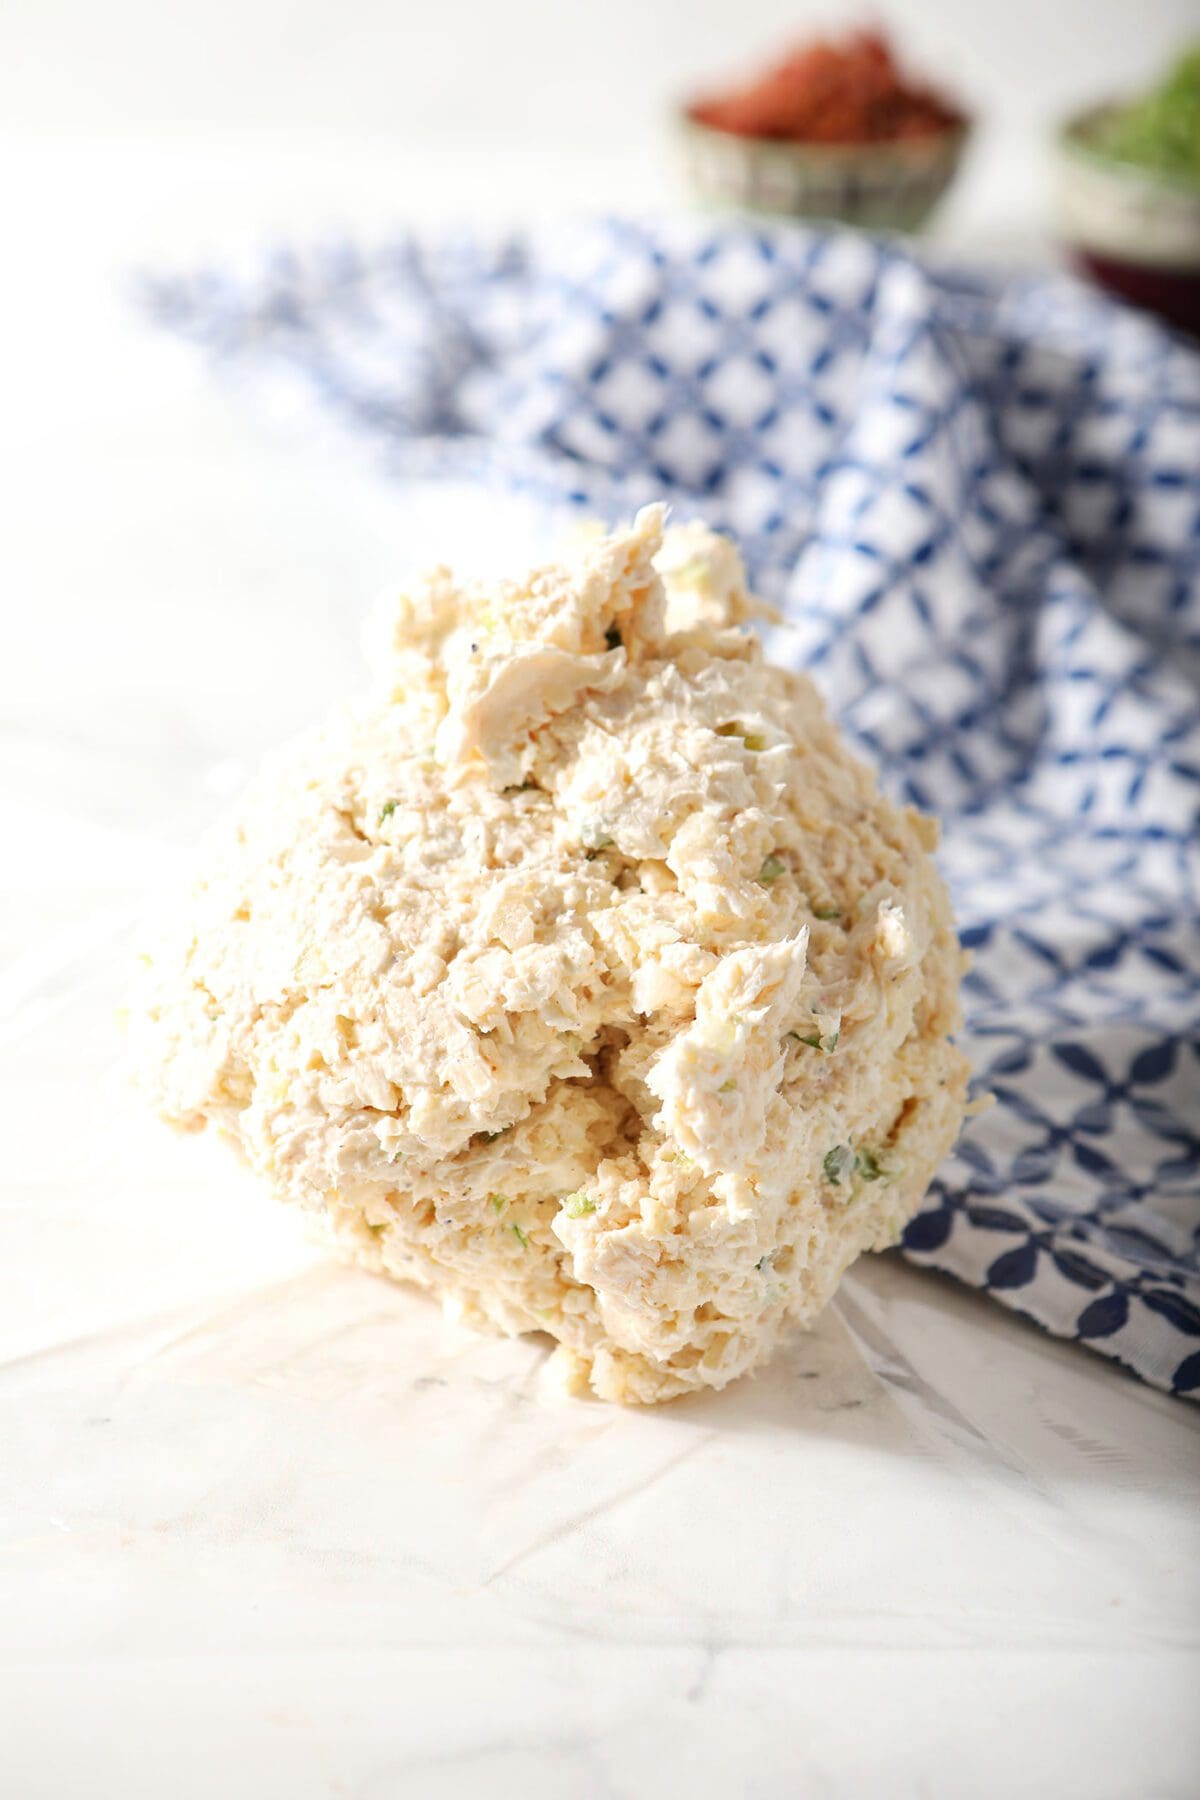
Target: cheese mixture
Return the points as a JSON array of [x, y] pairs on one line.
[[581, 976]]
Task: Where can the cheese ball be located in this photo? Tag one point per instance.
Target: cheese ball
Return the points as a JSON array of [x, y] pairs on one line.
[[581, 975]]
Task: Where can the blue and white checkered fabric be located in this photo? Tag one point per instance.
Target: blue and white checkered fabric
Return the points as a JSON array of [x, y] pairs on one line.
[[980, 505]]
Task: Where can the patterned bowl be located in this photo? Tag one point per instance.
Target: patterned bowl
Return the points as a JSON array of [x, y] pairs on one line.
[[1135, 230], [881, 187]]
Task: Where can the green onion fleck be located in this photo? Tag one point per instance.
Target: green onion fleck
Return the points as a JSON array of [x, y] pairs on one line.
[[594, 836], [577, 1204], [519, 1235], [813, 1042], [498, 1202], [727, 1087], [825, 913], [771, 870], [840, 1161], [870, 1165], [387, 809]]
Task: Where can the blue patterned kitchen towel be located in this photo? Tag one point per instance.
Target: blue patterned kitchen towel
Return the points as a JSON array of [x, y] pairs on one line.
[[979, 503]]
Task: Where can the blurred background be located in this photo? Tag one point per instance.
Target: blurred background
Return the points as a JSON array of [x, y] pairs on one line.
[[566, 100]]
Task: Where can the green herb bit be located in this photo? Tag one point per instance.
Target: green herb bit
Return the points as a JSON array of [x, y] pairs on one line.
[[387, 809], [578, 1204], [498, 1202], [840, 1161], [771, 870], [728, 1087], [870, 1165], [519, 1235], [765, 1262], [813, 1042], [595, 836], [826, 913]]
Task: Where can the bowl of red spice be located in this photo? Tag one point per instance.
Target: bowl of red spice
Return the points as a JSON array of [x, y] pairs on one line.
[[833, 130]]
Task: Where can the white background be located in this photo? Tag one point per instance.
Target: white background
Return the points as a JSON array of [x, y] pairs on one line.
[[266, 1528], [525, 72]]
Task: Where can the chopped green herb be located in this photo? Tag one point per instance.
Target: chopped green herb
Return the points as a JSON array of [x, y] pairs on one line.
[[613, 638], [816, 1042], [594, 835], [519, 1235], [825, 913], [870, 1166], [498, 1202], [771, 870], [764, 1262], [840, 1161], [577, 1204], [387, 809], [727, 1087]]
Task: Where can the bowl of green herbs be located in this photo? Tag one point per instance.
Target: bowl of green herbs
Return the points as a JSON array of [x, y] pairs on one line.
[[1129, 193]]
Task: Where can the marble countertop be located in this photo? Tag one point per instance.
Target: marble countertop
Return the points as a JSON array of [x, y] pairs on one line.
[[271, 1528]]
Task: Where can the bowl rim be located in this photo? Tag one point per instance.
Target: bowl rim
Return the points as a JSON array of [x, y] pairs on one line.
[[929, 145], [1071, 136]]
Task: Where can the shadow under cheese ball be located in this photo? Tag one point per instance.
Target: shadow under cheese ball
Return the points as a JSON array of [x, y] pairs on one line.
[[580, 975]]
